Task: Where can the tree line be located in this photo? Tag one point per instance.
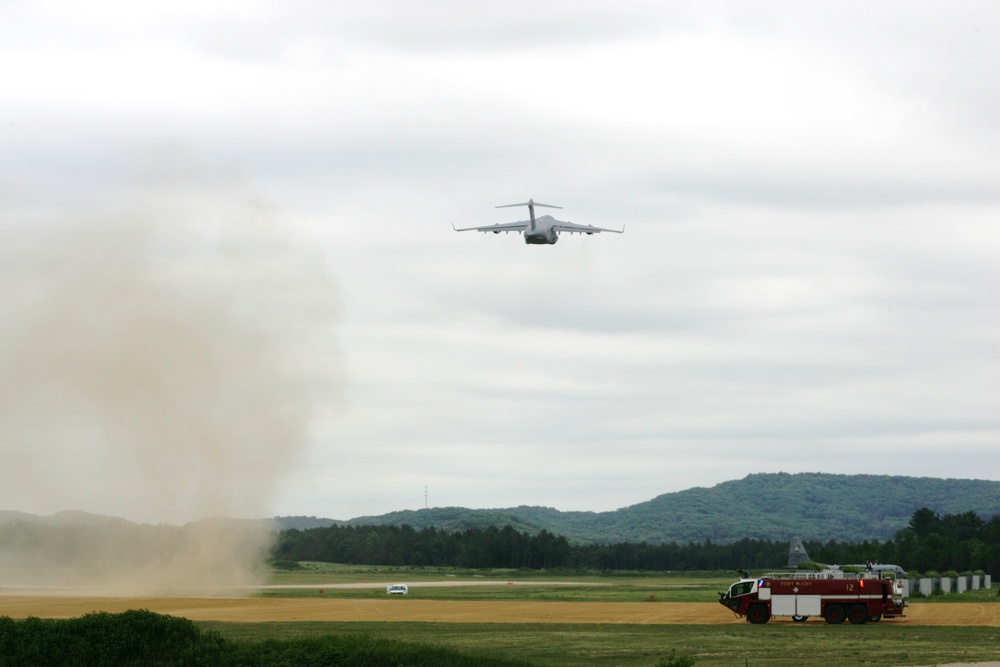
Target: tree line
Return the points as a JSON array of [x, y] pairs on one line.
[[960, 542], [403, 545], [930, 542], [509, 548]]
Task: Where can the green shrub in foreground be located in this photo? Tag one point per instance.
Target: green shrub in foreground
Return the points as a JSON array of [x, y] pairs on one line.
[[674, 660], [142, 637], [135, 637]]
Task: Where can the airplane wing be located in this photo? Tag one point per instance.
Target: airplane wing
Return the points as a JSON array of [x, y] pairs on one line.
[[574, 228], [504, 227]]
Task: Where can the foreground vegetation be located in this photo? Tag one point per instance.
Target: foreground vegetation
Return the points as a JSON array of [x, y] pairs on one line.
[[143, 638]]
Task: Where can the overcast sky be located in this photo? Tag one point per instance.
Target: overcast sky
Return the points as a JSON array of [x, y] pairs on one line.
[[808, 280]]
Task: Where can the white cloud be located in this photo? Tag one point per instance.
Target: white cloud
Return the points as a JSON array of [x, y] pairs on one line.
[[807, 275]]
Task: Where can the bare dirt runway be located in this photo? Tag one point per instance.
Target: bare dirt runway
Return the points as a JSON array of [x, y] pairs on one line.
[[245, 610]]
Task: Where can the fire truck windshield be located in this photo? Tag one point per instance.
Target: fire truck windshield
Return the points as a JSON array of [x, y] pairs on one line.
[[740, 588]]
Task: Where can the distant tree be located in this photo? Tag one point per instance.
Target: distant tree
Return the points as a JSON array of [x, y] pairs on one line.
[[965, 526], [924, 522]]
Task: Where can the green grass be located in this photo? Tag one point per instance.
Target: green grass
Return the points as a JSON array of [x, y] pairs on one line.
[[578, 586], [572, 593], [791, 645], [800, 645]]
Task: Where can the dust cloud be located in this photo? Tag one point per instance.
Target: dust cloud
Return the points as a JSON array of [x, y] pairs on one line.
[[162, 361]]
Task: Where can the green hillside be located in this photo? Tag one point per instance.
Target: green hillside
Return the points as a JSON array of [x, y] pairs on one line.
[[773, 506], [767, 506]]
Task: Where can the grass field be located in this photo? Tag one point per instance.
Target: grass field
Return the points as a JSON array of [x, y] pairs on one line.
[[510, 597], [792, 645], [325, 579], [800, 645]]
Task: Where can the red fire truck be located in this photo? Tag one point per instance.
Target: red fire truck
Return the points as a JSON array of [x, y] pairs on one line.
[[832, 595]]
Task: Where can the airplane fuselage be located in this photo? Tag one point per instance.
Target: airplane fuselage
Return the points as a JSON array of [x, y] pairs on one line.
[[541, 231]]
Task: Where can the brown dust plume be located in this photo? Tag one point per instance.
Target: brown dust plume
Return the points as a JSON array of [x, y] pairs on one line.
[[164, 362]]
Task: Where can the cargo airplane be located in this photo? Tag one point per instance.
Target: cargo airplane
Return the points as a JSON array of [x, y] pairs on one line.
[[797, 555], [541, 230]]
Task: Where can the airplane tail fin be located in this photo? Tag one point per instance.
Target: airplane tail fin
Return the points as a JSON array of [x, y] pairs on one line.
[[530, 202], [796, 553]]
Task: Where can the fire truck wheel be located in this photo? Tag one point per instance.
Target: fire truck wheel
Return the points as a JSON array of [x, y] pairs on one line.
[[834, 614], [758, 614], [857, 614], [875, 618], [800, 619]]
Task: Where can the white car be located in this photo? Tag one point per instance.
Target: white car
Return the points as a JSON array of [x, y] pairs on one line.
[[397, 589]]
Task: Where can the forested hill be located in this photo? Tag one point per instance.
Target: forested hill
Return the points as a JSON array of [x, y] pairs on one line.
[[770, 506]]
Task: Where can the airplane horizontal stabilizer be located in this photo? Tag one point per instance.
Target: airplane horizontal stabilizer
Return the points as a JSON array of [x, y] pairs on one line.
[[529, 203]]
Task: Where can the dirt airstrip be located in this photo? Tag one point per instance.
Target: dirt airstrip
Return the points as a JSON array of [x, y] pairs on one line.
[[448, 611]]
